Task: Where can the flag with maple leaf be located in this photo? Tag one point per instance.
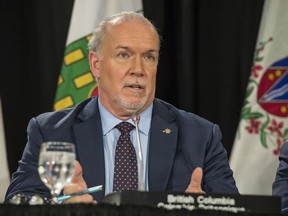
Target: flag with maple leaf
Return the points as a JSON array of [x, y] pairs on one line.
[[263, 126]]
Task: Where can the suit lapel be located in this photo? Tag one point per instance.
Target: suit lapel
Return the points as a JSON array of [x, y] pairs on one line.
[[162, 148], [88, 136]]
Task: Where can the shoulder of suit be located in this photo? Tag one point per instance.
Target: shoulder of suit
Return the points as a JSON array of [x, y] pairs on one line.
[[284, 149], [56, 116], [180, 114]]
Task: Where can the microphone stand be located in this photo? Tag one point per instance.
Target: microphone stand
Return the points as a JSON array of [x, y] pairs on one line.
[[141, 186]]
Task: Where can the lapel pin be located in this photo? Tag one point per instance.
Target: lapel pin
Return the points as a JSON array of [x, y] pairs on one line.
[[167, 130]]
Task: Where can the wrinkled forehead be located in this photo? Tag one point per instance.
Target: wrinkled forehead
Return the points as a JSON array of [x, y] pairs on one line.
[[120, 25]]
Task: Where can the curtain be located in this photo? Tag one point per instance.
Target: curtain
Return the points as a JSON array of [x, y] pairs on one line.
[[206, 56]]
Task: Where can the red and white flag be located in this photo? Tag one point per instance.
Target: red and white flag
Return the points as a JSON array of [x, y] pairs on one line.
[[263, 123]]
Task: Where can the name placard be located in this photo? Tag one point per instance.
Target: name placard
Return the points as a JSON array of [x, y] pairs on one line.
[[190, 201]]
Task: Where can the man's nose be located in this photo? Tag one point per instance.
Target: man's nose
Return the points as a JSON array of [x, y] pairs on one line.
[[137, 67]]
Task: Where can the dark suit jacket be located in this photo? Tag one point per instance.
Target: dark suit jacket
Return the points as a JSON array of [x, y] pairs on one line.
[[173, 156], [280, 185]]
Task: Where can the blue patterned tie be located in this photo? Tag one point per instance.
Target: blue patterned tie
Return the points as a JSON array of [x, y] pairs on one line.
[[125, 169]]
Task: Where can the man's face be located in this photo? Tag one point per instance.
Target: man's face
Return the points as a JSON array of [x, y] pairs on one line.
[[126, 69]]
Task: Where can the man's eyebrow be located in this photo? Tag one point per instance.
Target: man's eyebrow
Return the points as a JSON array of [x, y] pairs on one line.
[[152, 50], [127, 48], [122, 47]]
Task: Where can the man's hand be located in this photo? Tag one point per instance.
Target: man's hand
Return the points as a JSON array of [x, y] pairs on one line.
[[195, 183], [77, 184]]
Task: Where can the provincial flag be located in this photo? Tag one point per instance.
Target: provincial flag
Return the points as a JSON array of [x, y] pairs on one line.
[[263, 126], [76, 82], [4, 172]]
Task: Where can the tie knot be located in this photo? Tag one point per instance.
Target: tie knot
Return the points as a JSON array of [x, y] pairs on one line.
[[125, 127]]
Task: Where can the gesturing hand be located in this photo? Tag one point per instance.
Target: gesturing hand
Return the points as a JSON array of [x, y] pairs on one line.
[[195, 183], [77, 184]]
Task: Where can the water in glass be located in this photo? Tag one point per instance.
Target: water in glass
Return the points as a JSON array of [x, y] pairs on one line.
[[56, 165]]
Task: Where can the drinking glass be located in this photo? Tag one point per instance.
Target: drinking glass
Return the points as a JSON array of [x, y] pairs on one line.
[[56, 166]]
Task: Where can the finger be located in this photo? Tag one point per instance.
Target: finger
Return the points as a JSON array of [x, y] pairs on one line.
[[77, 172], [77, 183], [196, 180], [74, 188], [78, 176], [87, 198]]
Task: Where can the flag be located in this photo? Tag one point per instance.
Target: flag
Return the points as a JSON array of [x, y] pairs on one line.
[[76, 82], [263, 125], [4, 172]]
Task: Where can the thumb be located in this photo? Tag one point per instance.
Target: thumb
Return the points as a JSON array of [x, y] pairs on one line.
[[77, 182], [77, 177], [195, 183], [77, 168]]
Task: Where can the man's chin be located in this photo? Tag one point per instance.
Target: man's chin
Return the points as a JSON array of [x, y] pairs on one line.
[[134, 106]]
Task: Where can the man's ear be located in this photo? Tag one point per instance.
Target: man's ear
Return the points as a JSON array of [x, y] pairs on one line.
[[94, 62]]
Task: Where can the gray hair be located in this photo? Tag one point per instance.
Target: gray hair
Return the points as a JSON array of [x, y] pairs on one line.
[[96, 42]]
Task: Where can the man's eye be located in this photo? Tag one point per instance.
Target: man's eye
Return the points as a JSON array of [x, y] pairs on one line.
[[123, 55], [150, 57]]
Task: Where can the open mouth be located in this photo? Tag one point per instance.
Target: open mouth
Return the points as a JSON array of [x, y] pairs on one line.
[[136, 87]]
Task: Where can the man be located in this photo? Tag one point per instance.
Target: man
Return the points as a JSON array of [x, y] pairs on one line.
[[182, 152], [280, 185]]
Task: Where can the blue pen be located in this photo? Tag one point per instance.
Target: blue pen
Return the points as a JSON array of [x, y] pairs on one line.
[[86, 191]]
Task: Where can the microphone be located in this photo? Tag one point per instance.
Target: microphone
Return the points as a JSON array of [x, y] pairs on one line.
[[136, 120]]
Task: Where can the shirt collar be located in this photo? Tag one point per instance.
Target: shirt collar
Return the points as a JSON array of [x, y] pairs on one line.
[[109, 121]]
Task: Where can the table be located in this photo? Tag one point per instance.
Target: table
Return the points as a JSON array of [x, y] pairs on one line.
[[107, 210]]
